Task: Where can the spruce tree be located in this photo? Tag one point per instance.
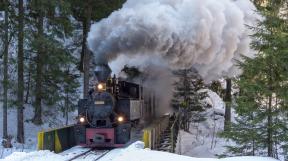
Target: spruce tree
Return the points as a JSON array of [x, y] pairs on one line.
[[10, 36], [20, 74], [261, 123], [5, 40], [188, 96], [51, 54]]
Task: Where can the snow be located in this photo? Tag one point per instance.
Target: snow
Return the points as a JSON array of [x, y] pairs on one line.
[[201, 143], [31, 130], [202, 140], [134, 152], [2, 15], [34, 156], [139, 154], [216, 101]]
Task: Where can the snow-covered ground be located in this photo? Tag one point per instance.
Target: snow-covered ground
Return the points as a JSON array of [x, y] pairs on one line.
[[201, 143], [202, 140], [31, 130], [134, 152]]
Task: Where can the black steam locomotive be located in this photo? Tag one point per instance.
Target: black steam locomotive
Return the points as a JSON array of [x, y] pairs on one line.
[[106, 117]]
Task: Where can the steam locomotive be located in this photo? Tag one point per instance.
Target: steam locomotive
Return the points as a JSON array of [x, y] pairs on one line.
[[106, 117]]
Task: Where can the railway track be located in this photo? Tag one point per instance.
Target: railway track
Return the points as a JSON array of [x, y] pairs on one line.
[[102, 155], [99, 153]]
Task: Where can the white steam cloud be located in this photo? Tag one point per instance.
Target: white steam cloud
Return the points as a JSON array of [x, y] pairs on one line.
[[207, 35], [163, 35]]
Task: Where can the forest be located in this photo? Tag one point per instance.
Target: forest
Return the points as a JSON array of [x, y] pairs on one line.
[[45, 62]]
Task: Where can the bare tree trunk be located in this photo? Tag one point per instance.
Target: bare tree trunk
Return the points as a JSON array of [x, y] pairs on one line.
[[269, 128], [28, 83], [20, 92], [67, 107], [253, 147], [228, 100], [269, 114], [39, 63], [86, 52], [5, 80]]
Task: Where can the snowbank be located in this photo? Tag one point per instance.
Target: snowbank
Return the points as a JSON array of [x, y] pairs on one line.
[[34, 156], [134, 152], [31, 130], [202, 142], [202, 139], [215, 101]]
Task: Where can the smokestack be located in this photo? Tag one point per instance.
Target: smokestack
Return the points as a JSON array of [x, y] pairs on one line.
[[102, 72]]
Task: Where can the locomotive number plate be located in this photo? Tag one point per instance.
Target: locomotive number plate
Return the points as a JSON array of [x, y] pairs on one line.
[[99, 102]]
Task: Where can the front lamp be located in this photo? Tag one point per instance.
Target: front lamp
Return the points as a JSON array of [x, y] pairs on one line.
[[120, 119], [82, 119], [101, 87]]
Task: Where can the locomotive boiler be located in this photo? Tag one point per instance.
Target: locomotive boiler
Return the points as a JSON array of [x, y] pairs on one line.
[[112, 108]]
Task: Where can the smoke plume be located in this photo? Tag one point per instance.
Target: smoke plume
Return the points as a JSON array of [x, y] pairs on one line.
[[207, 35]]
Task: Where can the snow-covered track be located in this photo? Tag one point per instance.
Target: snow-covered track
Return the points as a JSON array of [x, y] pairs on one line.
[[98, 153], [102, 155], [80, 155]]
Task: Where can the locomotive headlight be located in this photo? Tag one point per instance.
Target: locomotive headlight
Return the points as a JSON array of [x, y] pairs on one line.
[[82, 119], [100, 86], [120, 119]]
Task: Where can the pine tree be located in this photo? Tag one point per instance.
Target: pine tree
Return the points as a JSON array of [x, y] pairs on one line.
[[69, 93], [261, 125], [52, 55], [9, 37], [20, 91], [39, 44], [188, 96], [5, 72]]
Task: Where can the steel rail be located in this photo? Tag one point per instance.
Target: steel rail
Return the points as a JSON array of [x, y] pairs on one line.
[[87, 153]]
